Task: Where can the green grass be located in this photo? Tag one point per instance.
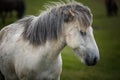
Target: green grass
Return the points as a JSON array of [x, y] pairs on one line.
[[107, 35]]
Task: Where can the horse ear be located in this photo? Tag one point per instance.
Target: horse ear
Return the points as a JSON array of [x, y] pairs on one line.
[[69, 15]]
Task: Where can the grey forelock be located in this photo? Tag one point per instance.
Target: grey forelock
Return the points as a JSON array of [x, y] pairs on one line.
[[48, 25]]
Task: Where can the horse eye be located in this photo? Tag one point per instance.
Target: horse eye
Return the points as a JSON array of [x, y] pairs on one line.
[[82, 33]]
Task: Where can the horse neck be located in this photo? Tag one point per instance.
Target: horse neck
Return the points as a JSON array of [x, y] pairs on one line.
[[54, 47]]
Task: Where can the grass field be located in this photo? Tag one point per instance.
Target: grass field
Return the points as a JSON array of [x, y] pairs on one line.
[[107, 34]]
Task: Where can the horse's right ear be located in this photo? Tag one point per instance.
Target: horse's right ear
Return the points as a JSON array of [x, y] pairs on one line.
[[68, 15]]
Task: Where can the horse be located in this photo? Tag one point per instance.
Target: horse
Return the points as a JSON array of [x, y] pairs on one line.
[[111, 7], [8, 6], [30, 48]]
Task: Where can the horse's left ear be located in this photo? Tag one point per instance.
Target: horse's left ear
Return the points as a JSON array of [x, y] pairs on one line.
[[68, 15]]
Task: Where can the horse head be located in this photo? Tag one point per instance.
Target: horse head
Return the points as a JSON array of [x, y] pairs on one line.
[[79, 33]]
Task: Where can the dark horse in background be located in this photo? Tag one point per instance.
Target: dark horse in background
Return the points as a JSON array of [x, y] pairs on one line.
[[111, 7], [8, 6]]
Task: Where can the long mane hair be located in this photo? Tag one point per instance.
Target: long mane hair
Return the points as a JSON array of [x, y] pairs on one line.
[[49, 24]]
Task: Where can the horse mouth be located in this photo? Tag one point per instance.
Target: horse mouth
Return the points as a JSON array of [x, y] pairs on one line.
[[91, 62]]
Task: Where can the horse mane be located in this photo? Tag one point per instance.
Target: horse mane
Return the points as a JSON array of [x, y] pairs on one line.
[[48, 25]]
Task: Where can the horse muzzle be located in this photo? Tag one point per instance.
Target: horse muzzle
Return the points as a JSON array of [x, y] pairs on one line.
[[91, 58]]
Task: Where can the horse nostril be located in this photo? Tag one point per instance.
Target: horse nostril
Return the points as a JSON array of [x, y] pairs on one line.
[[95, 60]]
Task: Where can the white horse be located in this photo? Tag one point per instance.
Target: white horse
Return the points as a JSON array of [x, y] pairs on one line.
[[30, 48]]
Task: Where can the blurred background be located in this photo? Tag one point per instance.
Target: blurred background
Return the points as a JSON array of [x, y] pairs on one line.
[[106, 25]]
